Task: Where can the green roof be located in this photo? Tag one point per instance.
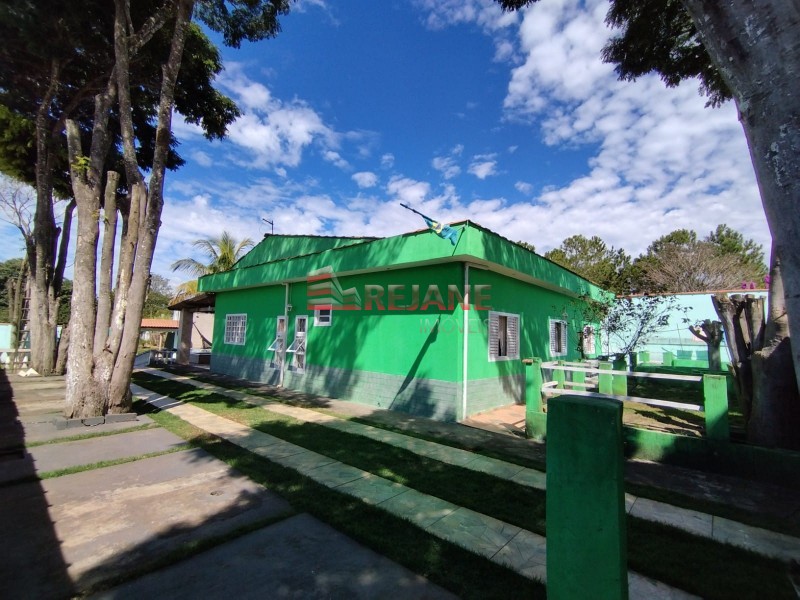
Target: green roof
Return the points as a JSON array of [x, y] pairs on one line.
[[276, 247], [280, 259]]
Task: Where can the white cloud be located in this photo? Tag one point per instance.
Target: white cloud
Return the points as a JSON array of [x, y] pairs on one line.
[[387, 160], [662, 161], [273, 132], [365, 179], [184, 130], [408, 190], [486, 13], [447, 165], [202, 158], [335, 158], [483, 165], [523, 187]]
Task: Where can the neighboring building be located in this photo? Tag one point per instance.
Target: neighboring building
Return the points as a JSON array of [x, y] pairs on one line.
[[159, 333], [387, 322]]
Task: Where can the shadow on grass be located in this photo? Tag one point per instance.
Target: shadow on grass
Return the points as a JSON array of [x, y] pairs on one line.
[[736, 572]]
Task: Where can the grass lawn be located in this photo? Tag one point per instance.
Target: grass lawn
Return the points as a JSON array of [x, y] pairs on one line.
[[692, 563], [727, 511]]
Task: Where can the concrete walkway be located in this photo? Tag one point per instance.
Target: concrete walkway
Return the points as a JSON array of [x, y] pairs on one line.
[[520, 550], [66, 534], [762, 541]]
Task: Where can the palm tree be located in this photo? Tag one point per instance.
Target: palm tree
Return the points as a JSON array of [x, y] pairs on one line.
[[222, 253]]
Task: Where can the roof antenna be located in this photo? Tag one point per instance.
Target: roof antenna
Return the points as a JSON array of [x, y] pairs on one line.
[[271, 226]]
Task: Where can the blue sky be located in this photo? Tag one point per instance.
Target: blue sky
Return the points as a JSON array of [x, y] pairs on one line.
[[510, 120]]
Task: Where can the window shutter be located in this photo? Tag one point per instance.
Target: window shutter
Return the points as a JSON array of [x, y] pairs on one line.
[[513, 337], [553, 337], [494, 334]]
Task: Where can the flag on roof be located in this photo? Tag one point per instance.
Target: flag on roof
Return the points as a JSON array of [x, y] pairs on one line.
[[443, 231]]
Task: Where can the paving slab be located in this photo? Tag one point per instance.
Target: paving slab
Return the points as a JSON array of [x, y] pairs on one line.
[[94, 525], [45, 430], [421, 509], [474, 531], [52, 457], [299, 557], [689, 520], [773, 544]]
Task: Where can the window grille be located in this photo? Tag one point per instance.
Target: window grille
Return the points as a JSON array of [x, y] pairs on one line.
[[235, 329]]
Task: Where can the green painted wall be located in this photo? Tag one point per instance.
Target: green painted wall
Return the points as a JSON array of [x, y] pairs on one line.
[[412, 343], [536, 306], [261, 305]]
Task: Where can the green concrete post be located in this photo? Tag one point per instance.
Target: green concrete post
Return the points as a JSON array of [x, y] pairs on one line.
[[560, 376], [644, 357], [579, 376], [586, 538], [669, 358], [535, 422], [715, 395], [604, 381], [619, 383]]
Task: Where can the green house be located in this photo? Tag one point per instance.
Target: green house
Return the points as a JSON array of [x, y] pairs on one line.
[[410, 322]]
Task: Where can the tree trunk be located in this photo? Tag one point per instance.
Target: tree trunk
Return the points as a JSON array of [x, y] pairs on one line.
[[775, 416], [711, 333], [104, 294], [83, 398], [42, 321], [755, 47], [761, 362], [16, 296], [63, 351]]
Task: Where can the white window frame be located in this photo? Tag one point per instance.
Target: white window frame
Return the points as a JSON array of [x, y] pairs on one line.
[[554, 339], [298, 345], [235, 329], [323, 316], [278, 346], [588, 339], [510, 333]]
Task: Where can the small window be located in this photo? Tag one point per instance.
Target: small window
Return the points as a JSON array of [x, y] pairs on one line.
[[298, 345], [587, 339], [558, 337], [323, 317], [279, 343], [235, 329], [503, 336]]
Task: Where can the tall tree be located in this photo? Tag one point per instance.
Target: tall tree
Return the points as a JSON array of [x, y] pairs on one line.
[[108, 81], [593, 259], [748, 52], [730, 241], [101, 361], [680, 262]]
